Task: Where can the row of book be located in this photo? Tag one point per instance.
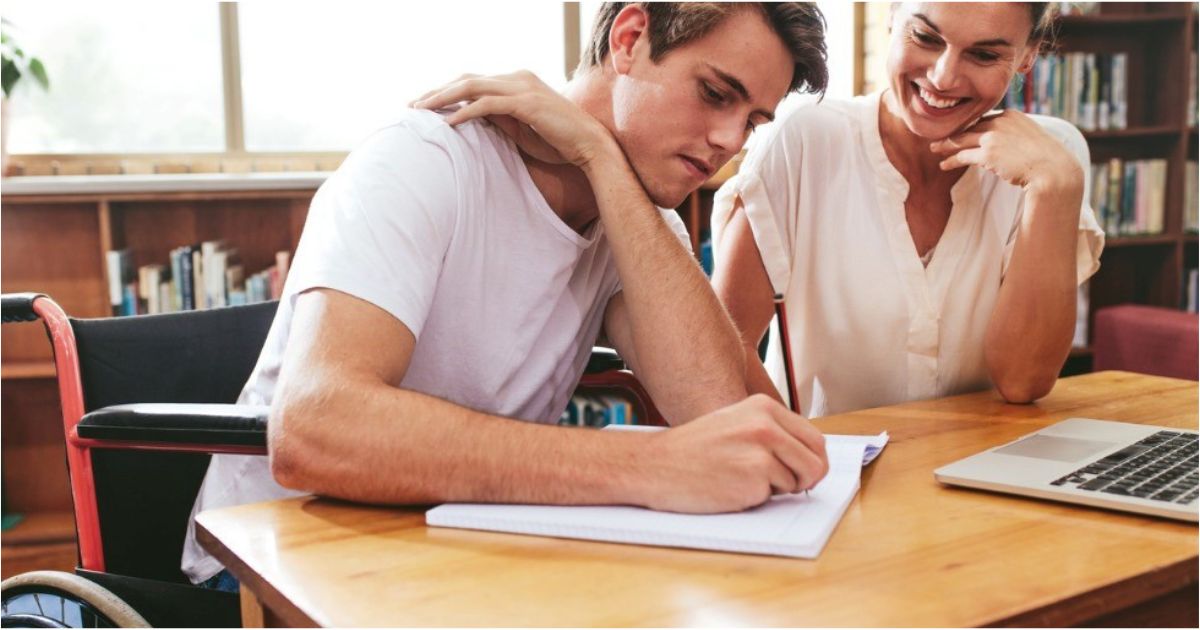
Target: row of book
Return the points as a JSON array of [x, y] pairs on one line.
[[207, 275], [1129, 196], [1086, 89], [1191, 205], [597, 410]]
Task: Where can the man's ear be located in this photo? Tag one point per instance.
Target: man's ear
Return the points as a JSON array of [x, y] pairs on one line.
[[626, 36]]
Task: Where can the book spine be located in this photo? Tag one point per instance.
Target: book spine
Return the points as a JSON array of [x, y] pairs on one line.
[[199, 297], [1115, 180], [1128, 190], [1121, 106], [115, 284], [187, 278]]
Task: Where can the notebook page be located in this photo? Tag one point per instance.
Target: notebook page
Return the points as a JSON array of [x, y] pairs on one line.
[[792, 525]]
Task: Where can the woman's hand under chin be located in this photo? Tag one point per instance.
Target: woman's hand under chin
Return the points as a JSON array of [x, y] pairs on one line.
[[1017, 150]]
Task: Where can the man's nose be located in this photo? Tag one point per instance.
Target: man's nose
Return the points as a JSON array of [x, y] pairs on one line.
[[728, 134]]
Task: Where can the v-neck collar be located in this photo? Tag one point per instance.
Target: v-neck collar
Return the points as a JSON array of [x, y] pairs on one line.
[[926, 295]]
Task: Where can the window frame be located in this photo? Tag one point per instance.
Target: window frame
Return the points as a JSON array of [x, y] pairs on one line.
[[234, 158]]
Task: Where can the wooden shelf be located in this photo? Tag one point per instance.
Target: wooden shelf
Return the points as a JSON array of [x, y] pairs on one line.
[[41, 528], [1080, 351], [1118, 20], [31, 369], [1132, 133], [1140, 241], [41, 541]]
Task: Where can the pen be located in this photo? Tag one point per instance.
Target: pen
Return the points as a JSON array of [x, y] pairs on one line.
[[781, 321]]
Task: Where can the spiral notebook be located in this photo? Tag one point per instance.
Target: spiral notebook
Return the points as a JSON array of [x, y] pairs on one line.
[[796, 525]]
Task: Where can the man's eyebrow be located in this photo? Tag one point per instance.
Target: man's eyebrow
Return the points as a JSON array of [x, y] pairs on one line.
[[999, 41], [737, 86]]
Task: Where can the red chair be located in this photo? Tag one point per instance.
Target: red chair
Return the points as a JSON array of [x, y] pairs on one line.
[[1146, 339], [146, 401]]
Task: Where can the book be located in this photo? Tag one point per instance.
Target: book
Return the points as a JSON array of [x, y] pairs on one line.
[[1081, 317], [1190, 297], [119, 268], [794, 525], [1191, 205]]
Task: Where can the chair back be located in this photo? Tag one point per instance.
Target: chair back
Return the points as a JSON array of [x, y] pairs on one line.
[[144, 498]]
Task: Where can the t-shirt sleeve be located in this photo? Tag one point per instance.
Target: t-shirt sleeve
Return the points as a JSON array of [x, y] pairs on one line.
[[770, 209], [379, 228], [1089, 241]]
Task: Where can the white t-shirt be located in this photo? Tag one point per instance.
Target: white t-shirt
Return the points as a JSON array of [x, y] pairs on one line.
[[868, 323], [443, 229]]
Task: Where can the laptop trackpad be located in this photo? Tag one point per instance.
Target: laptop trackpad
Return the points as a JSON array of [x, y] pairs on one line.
[[1057, 448]]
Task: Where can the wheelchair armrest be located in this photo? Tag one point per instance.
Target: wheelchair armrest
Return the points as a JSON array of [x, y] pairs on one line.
[[197, 424], [18, 307], [602, 360]]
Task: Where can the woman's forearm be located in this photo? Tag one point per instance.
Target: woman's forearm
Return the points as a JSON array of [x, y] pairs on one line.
[[1030, 331]]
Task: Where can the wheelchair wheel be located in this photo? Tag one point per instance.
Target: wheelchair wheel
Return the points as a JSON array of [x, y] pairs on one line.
[[54, 599]]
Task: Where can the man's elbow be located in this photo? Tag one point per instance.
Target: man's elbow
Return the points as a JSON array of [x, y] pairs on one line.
[[289, 447]]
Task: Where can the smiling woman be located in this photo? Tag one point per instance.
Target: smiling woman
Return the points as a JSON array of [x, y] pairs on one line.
[[920, 245]]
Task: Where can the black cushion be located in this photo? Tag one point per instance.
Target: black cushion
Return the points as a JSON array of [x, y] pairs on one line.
[[244, 425], [18, 307], [602, 360]]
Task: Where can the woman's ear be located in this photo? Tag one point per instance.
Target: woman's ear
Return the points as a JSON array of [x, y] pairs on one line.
[[1028, 58], [625, 37]]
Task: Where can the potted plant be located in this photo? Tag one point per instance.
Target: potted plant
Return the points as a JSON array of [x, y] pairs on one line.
[[14, 64]]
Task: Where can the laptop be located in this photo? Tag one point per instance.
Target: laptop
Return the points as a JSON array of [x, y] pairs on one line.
[[1116, 465]]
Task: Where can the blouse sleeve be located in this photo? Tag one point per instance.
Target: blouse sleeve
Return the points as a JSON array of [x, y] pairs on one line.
[[768, 185], [1089, 241]]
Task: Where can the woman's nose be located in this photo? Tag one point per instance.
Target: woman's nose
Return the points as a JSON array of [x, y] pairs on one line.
[[944, 74]]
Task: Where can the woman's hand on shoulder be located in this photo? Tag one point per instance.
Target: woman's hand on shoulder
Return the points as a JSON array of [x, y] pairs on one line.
[[543, 123], [1017, 149]]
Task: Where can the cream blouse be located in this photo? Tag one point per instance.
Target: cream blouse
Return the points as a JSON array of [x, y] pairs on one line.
[[868, 323]]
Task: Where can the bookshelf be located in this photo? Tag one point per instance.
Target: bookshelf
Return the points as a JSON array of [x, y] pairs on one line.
[[1158, 40], [54, 233]]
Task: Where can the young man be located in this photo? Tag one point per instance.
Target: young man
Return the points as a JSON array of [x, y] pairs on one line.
[[451, 282]]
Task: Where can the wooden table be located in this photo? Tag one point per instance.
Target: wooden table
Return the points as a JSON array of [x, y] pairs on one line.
[[909, 551]]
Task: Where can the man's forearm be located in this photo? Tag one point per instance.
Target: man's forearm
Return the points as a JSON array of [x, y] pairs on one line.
[[688, 350], [424, 450]]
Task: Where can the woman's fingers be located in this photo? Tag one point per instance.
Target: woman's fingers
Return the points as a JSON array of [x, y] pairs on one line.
[[467, 90], [958, 142], [963, 158], [483, 108], [440, 88]]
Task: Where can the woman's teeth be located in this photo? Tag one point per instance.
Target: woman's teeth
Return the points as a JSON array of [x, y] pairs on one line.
[[939, 103]]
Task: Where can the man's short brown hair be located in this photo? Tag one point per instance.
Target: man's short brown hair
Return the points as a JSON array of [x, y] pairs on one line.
[[799, 24]]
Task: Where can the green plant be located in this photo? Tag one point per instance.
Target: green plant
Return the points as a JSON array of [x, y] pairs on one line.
[[14, 64]]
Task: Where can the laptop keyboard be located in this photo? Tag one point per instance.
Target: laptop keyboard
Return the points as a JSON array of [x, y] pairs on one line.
[[1161, 467]]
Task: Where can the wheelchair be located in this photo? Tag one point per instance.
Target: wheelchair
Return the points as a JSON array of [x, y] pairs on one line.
[[146, 401]]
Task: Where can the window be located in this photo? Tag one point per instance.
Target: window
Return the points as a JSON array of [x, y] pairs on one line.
[[257, 79], [125, 77], [321, 76]]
